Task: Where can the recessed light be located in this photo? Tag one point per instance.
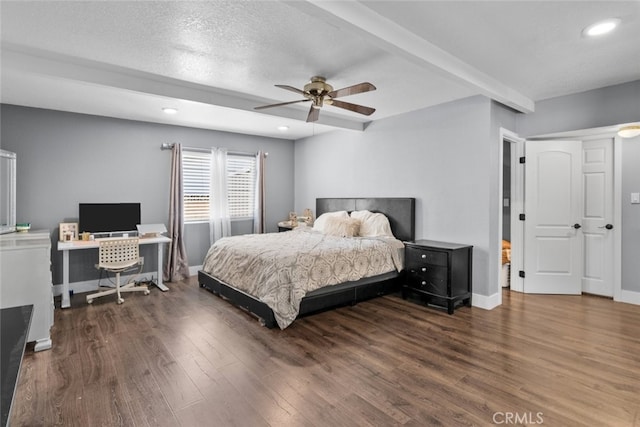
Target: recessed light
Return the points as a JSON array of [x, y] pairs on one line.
[[601, 27], [168, 110], [283, 128]]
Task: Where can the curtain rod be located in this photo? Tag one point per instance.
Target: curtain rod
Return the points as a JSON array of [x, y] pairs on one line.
[[169, 146]]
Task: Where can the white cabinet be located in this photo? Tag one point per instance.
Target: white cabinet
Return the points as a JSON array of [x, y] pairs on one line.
[[25, 278]]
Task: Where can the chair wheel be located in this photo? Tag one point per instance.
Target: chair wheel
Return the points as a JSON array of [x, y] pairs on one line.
[[120, 300], [89, 301]]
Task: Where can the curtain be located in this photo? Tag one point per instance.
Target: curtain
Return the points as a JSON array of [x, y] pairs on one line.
[[177, 267], [259, 213], [219, 218]]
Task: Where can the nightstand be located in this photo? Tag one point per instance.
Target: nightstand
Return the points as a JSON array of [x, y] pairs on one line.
[[284, 226], [438, 271]]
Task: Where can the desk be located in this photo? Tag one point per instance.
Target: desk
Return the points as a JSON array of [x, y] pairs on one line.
[[65, 247], [14, 329]]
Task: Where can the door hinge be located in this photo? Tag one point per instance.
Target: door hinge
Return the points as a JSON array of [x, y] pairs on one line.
[[521, 217], [521, 274], [522, 159]]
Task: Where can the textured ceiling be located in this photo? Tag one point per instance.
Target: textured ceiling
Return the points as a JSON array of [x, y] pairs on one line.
[[217, 60]]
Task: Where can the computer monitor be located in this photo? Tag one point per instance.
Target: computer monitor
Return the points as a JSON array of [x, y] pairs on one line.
[[108, 217]]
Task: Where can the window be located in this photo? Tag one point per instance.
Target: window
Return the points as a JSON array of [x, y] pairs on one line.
[[196, 175], [241, 185], [196, 172]]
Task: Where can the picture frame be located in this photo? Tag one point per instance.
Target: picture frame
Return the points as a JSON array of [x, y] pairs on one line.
[[68, 231]]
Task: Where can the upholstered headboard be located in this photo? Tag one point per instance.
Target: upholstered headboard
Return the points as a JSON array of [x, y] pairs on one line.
[[399, 210]]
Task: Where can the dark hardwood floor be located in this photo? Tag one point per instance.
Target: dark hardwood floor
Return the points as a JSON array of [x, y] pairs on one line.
[[189, 358]]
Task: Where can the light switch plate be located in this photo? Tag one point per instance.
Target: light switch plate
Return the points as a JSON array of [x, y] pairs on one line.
[[635, 198]]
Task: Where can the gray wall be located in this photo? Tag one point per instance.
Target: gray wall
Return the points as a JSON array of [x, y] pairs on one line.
[[506, 190], [67, 158], [600, 108], [447, 157], [595, 108], [630, 215]]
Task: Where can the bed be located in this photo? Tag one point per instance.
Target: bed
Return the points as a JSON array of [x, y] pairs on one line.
[[401, 215]]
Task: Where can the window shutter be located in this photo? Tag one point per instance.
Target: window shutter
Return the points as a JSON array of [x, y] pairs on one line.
[[241, 178], [196, 175]]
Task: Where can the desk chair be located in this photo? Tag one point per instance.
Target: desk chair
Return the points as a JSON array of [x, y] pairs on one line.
[[117, 255]]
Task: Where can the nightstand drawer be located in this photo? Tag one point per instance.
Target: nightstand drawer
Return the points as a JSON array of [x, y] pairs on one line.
[[416, 256], [433, 285], [429, 272]]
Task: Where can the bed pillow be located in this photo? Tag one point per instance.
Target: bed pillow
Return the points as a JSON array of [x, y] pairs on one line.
[[319, 223], [342, 227], [373, 224]]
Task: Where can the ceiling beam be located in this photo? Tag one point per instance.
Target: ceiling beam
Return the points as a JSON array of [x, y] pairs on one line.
[[355, 17], [34, 61]]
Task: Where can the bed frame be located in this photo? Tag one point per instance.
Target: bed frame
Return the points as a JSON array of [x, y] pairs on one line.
[[401, 214]]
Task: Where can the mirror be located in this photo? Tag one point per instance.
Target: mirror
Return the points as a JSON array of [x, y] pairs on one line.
[[7, 191]]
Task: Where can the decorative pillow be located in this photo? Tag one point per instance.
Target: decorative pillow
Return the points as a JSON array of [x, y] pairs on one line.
[[342, 227], [319, 223], [373, 224]]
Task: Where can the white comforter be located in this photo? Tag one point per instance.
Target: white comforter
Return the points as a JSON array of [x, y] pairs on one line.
[[280, 268]]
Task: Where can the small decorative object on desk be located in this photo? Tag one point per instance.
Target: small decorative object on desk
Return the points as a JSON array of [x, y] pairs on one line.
[[23, 227], [68, 231]]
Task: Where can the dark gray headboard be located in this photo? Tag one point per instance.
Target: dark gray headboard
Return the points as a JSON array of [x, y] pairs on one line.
[[399, 210]]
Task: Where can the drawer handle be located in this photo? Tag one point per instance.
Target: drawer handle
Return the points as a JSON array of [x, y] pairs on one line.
[[424, 256]]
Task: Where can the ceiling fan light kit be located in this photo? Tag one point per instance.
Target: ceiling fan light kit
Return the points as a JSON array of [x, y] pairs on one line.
[[321, 93]]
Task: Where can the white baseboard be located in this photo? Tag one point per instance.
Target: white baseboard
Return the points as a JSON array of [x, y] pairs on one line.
[[92, 285], [630, 297], [486, 302], [193, 270], [493, 301]]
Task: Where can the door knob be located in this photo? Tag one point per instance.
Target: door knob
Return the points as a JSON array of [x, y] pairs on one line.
[[576, 226], [608, 226]]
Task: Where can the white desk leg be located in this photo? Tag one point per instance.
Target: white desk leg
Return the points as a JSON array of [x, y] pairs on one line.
[[66, 299], [159, 283]]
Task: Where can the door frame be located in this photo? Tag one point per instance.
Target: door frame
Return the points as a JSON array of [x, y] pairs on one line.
[[517, 203], [517, 207]]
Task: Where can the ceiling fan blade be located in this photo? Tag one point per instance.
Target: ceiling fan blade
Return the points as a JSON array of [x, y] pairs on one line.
[[352, 90], [314, 113], [280, 104], [291, 88], [367, 111]]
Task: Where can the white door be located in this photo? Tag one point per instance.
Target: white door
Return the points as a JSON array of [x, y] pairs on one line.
[[597, 220], [552, 227]]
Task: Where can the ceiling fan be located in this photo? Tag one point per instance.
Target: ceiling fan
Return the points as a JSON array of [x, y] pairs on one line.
[[320, 93]]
